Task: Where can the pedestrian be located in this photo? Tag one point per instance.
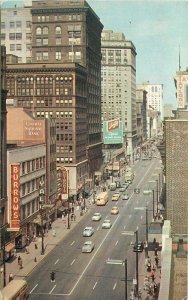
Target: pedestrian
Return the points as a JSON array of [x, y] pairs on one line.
[[21, 264], [156, 260], [27, 249], [36, 247], [72, 209], [19, 258], [34, 237], [10, 277], [74, 217], [152, 276], [155, 251]]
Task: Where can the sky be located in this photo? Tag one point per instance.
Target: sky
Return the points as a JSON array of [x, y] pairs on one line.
[[158, 29]]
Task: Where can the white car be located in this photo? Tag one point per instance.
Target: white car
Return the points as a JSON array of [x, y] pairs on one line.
[[114, 210], [88, 247], [125, 197], [88, 231], [106, 224], [96, 217]]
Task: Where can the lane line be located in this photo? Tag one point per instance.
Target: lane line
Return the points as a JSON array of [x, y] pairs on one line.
[[87, 266], [141, 217], [114, 286], [116, 243], [56, 261], [72, 243], [130, 216], [72, 262], [52, 289], [98, 228], [33, 288], [94, 285]]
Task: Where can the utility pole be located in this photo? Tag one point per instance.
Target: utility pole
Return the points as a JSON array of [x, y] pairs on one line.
[[157, 196], [153, 203], [68, 220], [146, 224], [125, 279], [41, 202], [136, 232]]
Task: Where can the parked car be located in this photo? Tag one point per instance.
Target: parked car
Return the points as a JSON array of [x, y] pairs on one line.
[[96, 217], [115, 196], [88, 231], [88, 247], [122, 189], [114, 210], [125, 197], [106, 224], [138, 247]]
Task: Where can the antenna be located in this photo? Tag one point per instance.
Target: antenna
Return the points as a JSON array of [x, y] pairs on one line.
[[179, 59]]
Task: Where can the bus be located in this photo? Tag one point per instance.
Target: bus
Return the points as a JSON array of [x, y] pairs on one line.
[[17, 289], [102, 198]]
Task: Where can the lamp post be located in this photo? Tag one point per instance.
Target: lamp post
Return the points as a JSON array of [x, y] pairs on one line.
[[68, 190], [41, 202], [137, 284], [120, 262]]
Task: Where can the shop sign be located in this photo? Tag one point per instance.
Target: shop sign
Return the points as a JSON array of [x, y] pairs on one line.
[[65, 186], [14, 213]]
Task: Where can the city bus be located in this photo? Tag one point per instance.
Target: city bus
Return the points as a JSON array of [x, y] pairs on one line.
[[17, 289], [102, 198]]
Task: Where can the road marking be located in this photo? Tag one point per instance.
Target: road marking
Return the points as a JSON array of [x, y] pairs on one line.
[[94, 285], [124, 226], [72, 262], [130, 216], [114, 286], [98, 227], [72, 243], [87, 266], [52, 289], [141, 217], [56, 261], [33, 288], [116, 243]]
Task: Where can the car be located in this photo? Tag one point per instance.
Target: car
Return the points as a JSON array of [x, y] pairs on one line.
[[106, 224], [125, 197], [138, 247], [88, 247], [88, 231], [96, 217], [122, 189], [114, 210], [115, 196]]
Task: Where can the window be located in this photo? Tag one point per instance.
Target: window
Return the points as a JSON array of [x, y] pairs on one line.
[[11, 36], [38, 41], [58, 41], [18, 47], [12, 24], [18, 24], [28, 46], [18, 36], [2, 25], [45, 41], [12, 47], [28, 24], [2, 37], [38, 55], [45, 30], [45, 55], [58, 30], [58, 55], [38, 31], [78, 55], [28, 36]]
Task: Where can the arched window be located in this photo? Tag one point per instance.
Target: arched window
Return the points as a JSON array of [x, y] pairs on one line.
[[38, 30], [58, 30], [45, 30]]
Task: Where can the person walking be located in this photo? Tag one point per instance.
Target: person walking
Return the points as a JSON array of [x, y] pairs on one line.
[[19, 258], [10, 277]]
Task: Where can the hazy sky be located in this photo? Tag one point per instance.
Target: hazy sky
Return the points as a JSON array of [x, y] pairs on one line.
[[157, 29]]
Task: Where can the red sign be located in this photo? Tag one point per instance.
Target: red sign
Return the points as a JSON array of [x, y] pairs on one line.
[[64, 181], [14, 215], [113, 125]]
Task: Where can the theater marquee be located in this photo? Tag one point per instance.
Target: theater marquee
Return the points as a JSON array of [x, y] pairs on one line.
[[14, 213]]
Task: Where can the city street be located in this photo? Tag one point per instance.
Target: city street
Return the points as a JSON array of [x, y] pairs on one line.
[[87, 275]]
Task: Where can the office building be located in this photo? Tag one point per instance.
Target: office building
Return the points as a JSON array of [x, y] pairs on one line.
[[141, 110], [119, 84]]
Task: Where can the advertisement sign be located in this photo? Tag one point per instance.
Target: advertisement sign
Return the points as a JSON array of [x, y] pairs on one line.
[[14, 216], [65, 183], [33, 130], [113, 132], [182, 90]]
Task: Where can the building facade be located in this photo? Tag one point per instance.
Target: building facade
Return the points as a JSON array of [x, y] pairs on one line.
[[181, 84], [16, 32], [119, 83], [141, 109]]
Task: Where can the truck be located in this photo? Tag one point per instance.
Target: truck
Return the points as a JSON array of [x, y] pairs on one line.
[[102, 198], [129, 176]]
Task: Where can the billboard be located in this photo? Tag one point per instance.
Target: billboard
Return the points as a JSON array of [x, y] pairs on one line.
[[14, 207], [33, 130], [113, 132], [65, 183], [182, 89]]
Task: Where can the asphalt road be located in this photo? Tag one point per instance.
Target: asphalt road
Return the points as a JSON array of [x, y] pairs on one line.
[[81, 276]]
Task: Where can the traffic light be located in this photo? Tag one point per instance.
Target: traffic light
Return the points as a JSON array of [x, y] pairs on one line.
[[52, 276]]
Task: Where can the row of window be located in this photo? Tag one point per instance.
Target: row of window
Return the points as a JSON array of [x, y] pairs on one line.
[[46, 114], [58, 17], [17, 24], [44, 55], [67, 160], [64, 149], [32, 165], [29, 209]]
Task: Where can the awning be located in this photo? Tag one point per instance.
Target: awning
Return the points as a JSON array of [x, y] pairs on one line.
[[9, 247]]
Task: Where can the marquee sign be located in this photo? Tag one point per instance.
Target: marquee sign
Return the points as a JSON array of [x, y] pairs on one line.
[[14, 213]]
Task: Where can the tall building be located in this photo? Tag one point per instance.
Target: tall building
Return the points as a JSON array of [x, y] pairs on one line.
[[64, 82], [141, 105], [119, 83], [176, 166], [16, 32], [167, 109], [181, 84]]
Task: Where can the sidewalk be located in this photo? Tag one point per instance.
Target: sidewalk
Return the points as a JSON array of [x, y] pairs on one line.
[[33, 258]]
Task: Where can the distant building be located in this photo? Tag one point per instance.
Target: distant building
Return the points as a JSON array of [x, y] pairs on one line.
[[119, 83], [181, 84], [168, 111], [141, 109]]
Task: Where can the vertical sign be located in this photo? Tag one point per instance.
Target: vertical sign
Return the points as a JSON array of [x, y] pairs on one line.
[[14, 215], [65, 183]]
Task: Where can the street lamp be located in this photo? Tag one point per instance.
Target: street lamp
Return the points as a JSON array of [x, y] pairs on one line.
[[120, 262], [41, 203], [146, 209]]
